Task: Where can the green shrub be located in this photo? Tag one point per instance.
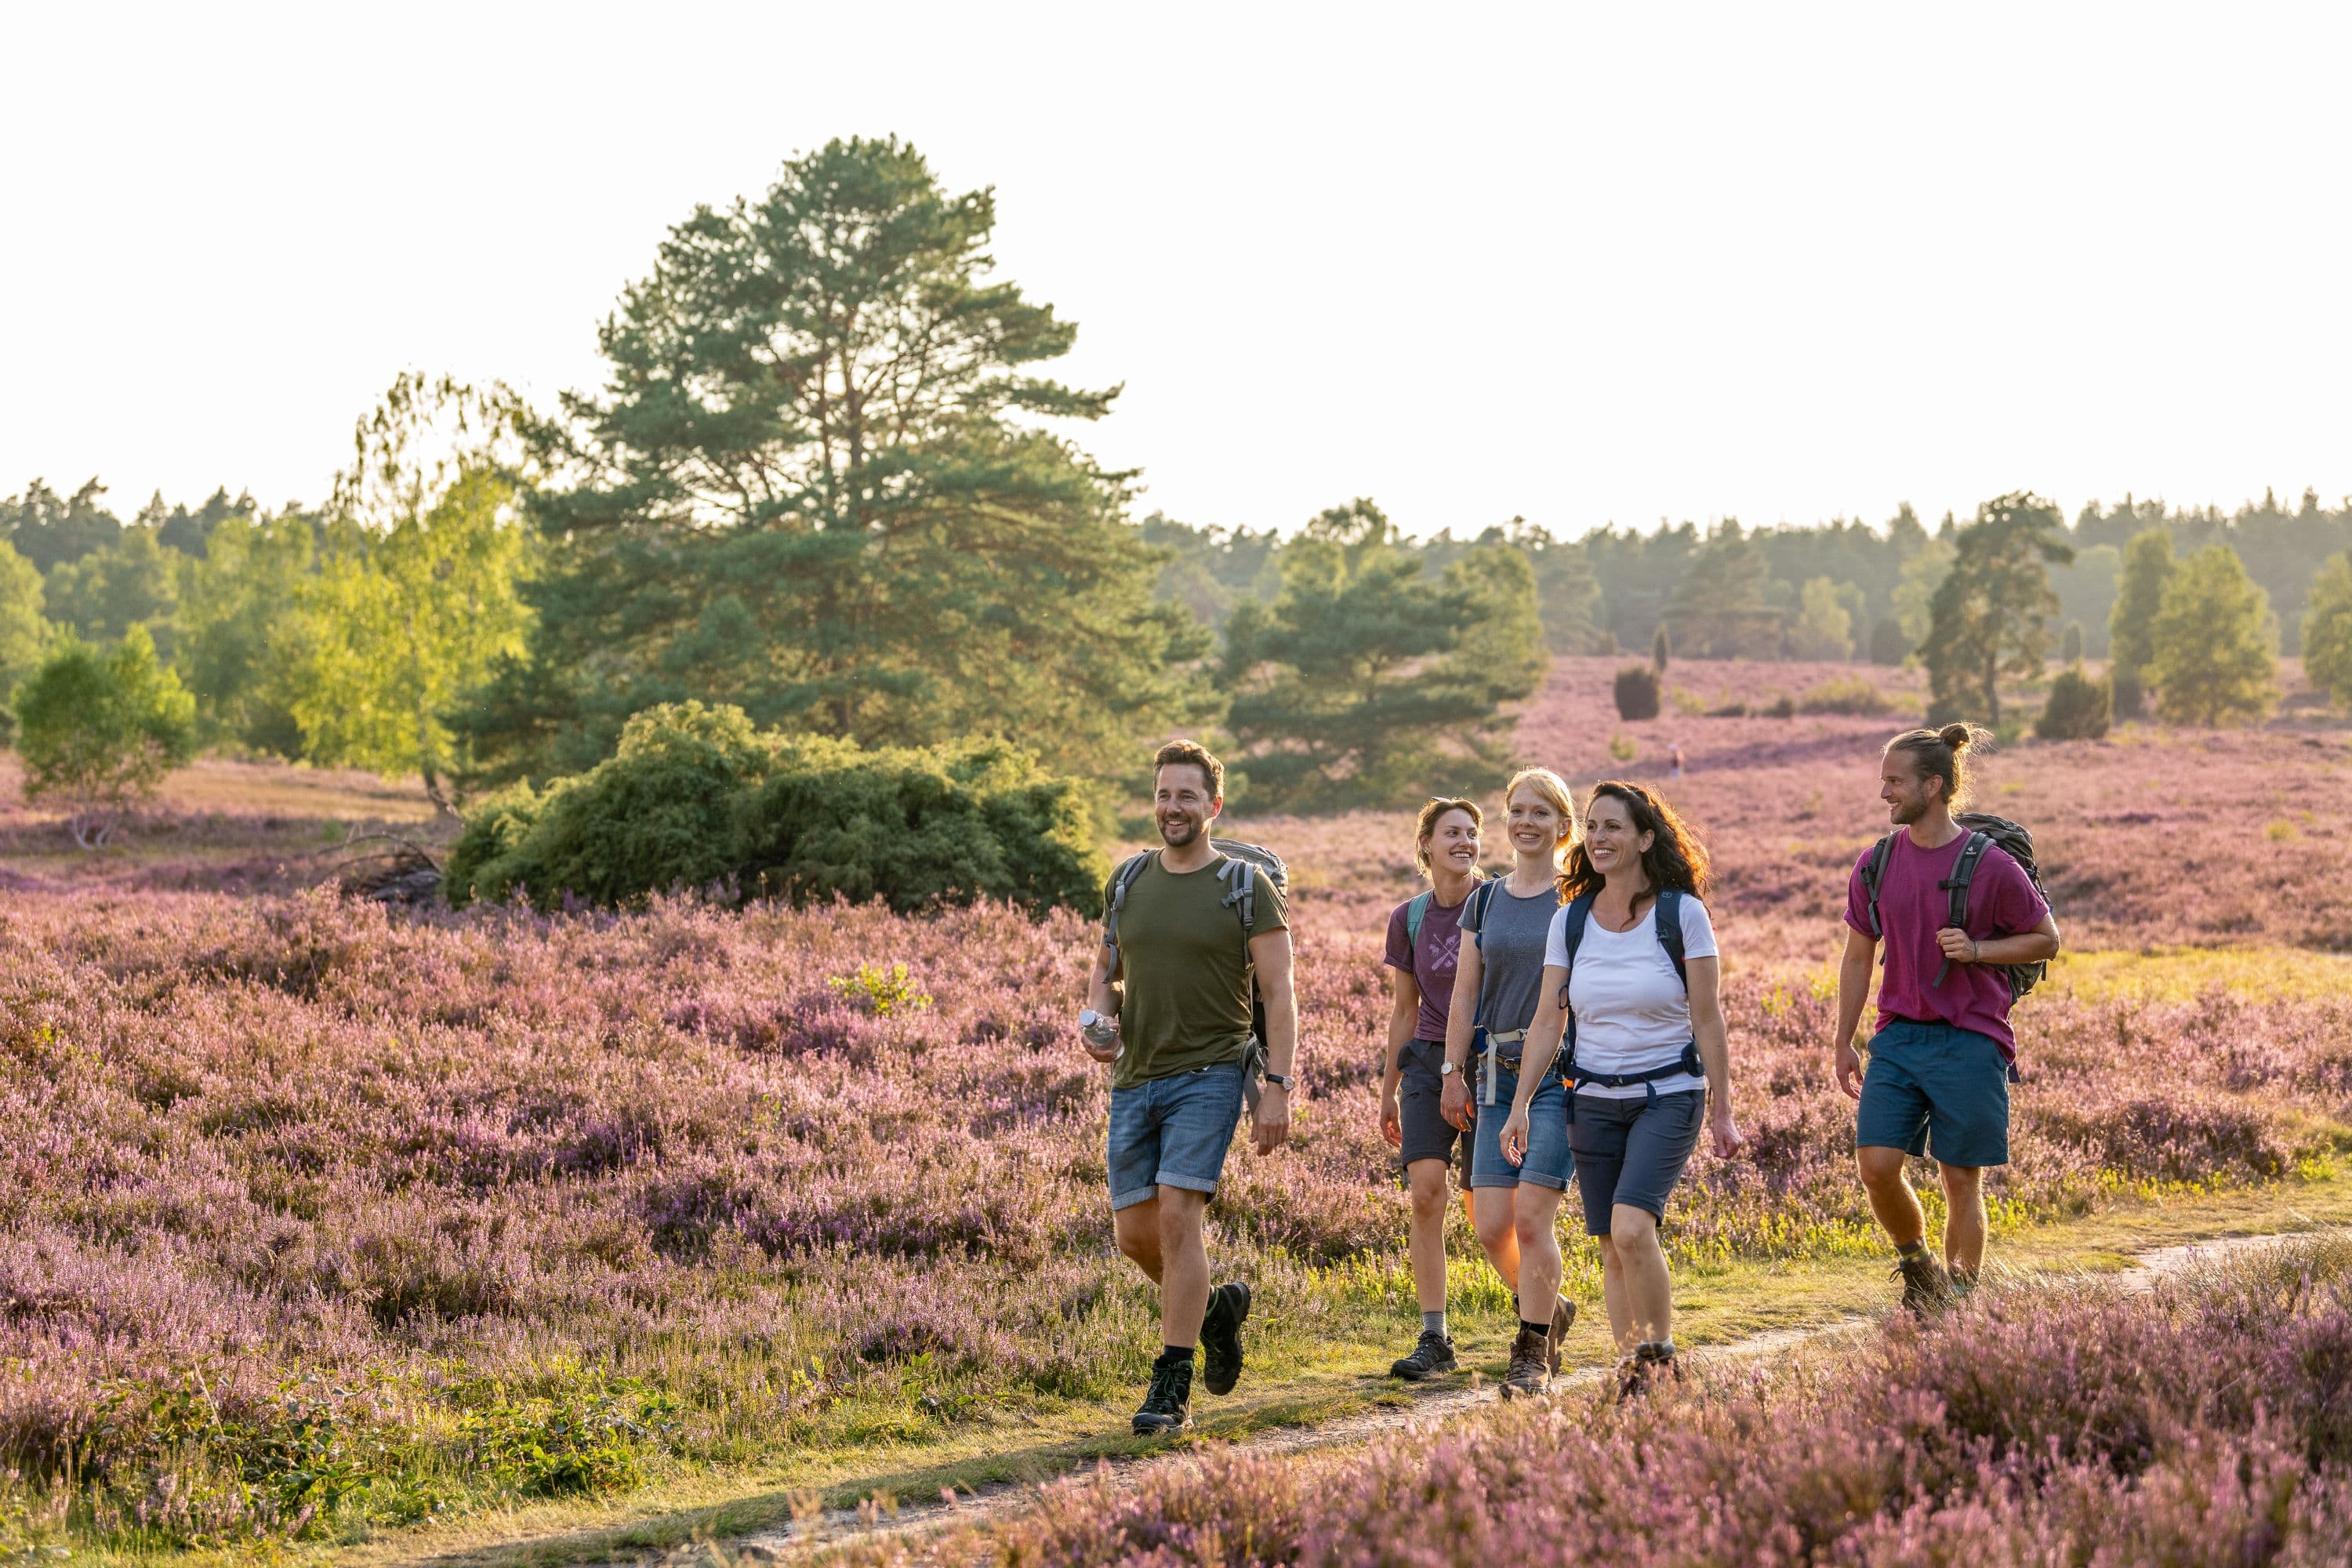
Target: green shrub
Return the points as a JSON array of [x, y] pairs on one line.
[[2070, 644], [1887, 642], [2079, 707], [1637, 692], [1782, 706], [696, 798], [2128, 689], [586, 1436], [1847, 694], [99, 730]]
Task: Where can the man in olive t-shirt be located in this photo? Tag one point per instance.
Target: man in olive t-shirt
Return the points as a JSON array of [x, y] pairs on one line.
[[1178, 983]]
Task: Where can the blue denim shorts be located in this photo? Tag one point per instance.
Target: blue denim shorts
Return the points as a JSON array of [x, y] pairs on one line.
[[1548, 1163], [1172, 1131], [1934, 1088]]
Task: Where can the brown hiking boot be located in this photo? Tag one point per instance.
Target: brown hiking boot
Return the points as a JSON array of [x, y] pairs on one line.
[[1528, 1372], [1926, 1289], [1563, 1317], [1650, 1361]]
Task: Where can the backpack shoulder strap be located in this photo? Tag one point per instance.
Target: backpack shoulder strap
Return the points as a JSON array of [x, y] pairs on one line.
[[1874, 875], [1240, 877], [1128, 870], [1474, 912], [1670, 932], [1414, 913], [1576, 917], [1964, 871]]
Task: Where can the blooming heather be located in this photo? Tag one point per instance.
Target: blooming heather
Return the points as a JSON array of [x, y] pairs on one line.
[[309, 1206]]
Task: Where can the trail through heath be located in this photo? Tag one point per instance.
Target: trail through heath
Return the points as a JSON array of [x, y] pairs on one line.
[[1428, 1408]]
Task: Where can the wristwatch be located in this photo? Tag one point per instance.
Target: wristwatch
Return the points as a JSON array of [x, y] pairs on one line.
[[1446, 1067], [1289, 1081]]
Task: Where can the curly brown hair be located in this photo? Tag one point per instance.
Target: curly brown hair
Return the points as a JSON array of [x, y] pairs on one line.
[[1675, 858]]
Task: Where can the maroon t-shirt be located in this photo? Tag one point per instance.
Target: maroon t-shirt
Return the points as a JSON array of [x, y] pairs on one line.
[[1430, 961], [1912, 907]]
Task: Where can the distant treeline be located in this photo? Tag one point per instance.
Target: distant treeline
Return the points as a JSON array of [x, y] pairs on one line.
[[1841, 589], [827, 482]]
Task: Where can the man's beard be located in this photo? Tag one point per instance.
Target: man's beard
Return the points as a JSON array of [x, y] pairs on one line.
[[1904, 815], [1177, 832]]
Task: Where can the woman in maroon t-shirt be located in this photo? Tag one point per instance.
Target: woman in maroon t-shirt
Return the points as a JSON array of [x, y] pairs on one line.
[[1424, 943]]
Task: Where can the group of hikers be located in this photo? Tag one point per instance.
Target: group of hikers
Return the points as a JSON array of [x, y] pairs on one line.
[[1560, 1022]]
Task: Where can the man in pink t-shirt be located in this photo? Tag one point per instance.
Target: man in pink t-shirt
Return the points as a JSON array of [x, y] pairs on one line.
[[1939, 1062]]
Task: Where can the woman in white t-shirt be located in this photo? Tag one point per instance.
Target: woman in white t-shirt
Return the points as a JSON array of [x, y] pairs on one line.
[[1632, 961]]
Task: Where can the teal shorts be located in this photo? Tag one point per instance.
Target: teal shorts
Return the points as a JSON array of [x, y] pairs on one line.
[[1935, 1089]]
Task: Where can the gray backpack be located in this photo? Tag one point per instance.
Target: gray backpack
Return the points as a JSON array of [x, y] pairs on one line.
[[1984, 832]]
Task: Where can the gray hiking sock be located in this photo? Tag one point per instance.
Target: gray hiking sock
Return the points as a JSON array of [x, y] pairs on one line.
[[1434, 1323]]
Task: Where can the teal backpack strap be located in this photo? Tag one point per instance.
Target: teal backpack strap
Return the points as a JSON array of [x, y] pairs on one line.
[[1414, 913]]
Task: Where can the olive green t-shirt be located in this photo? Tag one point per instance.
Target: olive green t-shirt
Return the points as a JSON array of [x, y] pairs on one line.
[[1187, 1000]]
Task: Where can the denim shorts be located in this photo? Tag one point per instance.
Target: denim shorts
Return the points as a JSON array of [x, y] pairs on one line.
[[1633, 1151], [1172, 1131], [1934, 1088], [1547, 1163]]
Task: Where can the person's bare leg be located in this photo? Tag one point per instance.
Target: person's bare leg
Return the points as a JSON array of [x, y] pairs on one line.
[[1183, 1266], [1612, 1294], [1891, 1197], [1534, 1208], [1426, 1238], [1136, 1227], [1490, 1215], [1641, 1264], [1964, 1220]]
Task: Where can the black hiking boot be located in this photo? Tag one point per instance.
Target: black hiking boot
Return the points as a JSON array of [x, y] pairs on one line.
[[1650, 1361], [1530, 1370], [1563, 1317], [1926, 1289], [1220, 1337], [1167, 1405], [1432, 1356]]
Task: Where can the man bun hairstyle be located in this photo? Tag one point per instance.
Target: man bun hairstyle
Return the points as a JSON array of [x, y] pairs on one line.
[[1437, 807], [1198, 755], [1944, 754], [1675, 858]]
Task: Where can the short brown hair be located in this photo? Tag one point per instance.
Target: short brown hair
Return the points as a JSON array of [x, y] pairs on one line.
[[1944, 754], [1198, 755]]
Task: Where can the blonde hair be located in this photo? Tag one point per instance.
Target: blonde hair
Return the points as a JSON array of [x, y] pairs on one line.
[[1438, 806], [1554, 792]]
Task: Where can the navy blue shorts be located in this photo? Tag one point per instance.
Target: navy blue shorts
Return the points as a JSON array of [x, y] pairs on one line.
[[1172, 1131], [1633, 1151], [1932, 1089]]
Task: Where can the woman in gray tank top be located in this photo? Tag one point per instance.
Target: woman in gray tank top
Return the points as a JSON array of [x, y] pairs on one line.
[[1497, 989]]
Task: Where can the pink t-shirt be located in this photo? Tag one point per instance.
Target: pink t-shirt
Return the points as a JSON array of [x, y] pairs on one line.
[[1912, 907]]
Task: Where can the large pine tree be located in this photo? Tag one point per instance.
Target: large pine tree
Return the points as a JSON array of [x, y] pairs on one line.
[[815, 486], [1990, 614]]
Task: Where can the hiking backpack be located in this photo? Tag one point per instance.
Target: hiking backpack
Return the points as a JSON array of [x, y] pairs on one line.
[[1984, 832], [1241, 895]]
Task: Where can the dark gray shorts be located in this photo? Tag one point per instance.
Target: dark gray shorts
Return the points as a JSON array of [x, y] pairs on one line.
[[1633, 1152], [1427, 1135]]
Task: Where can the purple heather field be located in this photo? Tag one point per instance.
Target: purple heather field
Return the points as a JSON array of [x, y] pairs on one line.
[[315, 1216]]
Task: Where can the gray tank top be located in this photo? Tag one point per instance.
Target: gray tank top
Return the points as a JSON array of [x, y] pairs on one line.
[[1511, 936]]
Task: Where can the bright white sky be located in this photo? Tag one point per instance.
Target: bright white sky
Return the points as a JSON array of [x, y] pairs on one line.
[[1580, 263]]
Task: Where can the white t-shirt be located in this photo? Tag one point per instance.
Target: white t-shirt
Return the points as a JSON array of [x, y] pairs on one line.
[[1633, 1014]]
